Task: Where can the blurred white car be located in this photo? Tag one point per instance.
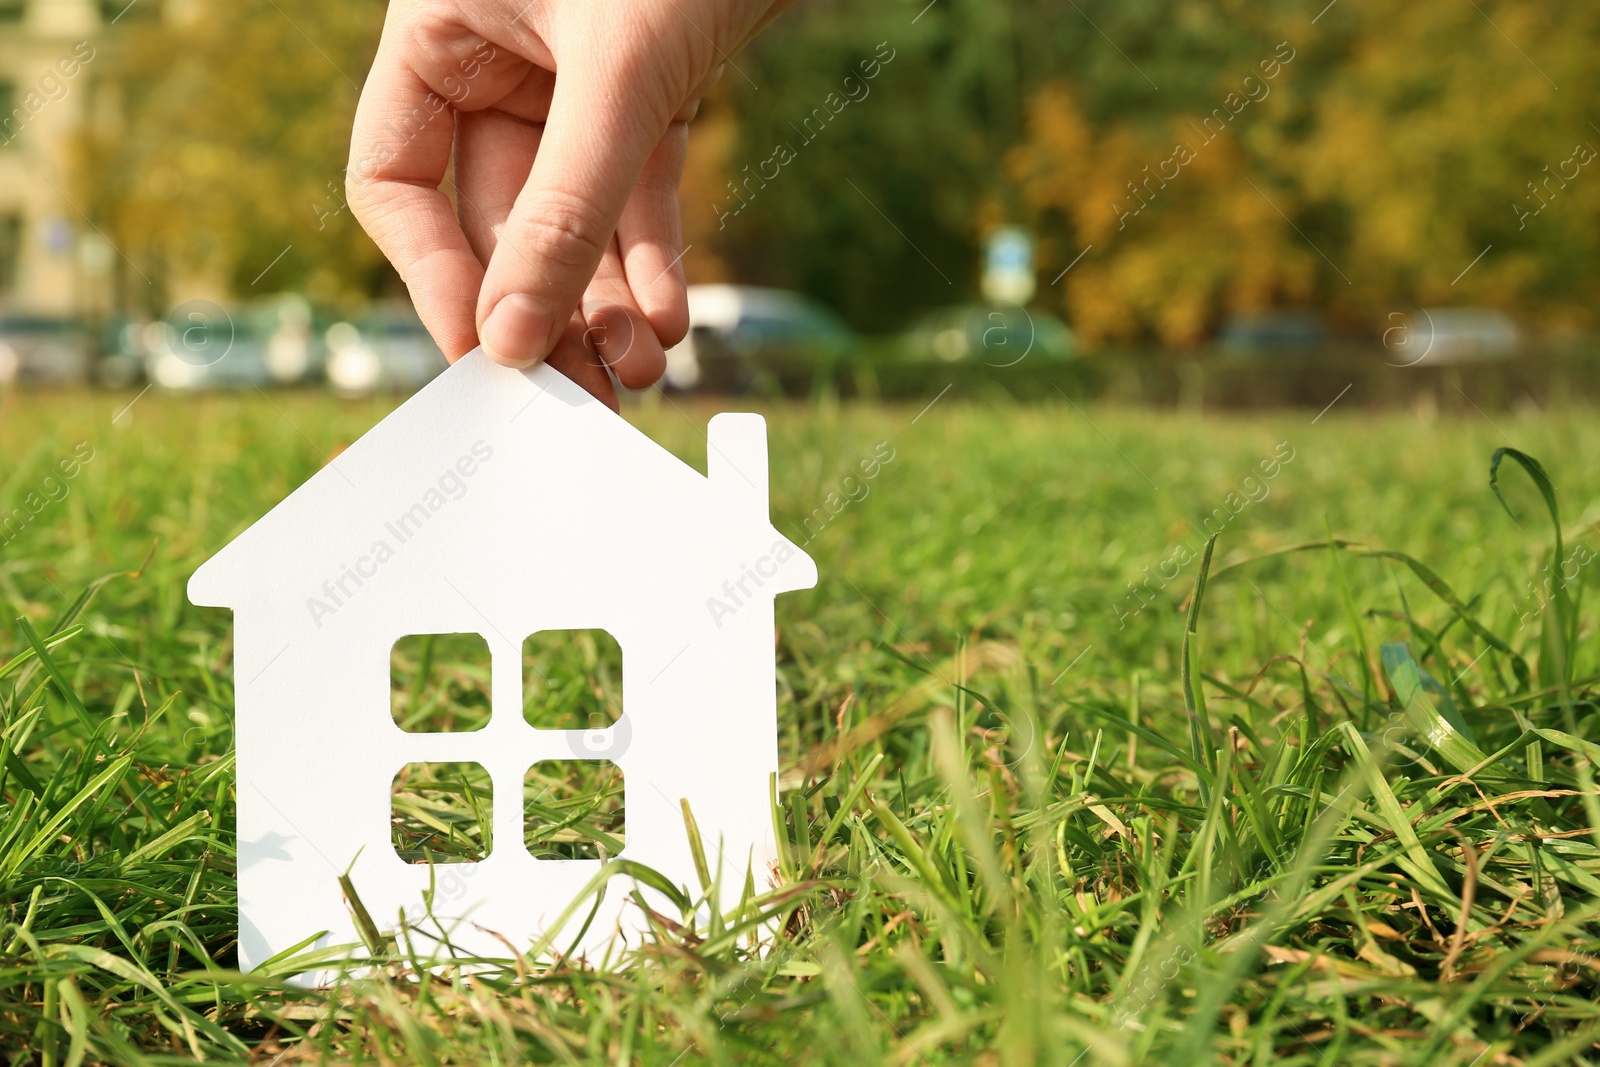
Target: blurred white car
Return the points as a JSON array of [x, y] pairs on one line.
[[736, 331], [43, 350], [1462, 335], [201, 345], [389, 349]]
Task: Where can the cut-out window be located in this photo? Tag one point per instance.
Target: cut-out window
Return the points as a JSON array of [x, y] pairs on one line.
[[571, 680], [439, 683], [441, 813], [573, 810]]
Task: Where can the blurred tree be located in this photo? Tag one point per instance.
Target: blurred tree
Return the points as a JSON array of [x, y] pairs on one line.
[[860, 190], [1382, 153], [884, 213], [1393, 149], [219, 140], [1440, 125], [1168, 226]]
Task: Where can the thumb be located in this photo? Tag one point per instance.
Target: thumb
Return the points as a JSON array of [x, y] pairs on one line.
[[606, 115]]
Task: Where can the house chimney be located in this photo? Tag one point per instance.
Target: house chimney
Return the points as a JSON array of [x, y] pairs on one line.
[[736, 459]]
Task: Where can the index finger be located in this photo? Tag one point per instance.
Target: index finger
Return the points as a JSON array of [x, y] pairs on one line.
[[399, 155], [607, 113]]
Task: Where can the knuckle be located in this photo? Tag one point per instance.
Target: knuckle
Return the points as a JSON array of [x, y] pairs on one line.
[[358, 194], [363, 193], [385, 221], [564, 229]]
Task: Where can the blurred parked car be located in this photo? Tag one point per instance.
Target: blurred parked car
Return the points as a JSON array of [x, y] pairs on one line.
[[1278, 332], [738, 333], [1001, 335], [201, 345], [389, 349], [44, 350], [122, 353], [1461, 335]]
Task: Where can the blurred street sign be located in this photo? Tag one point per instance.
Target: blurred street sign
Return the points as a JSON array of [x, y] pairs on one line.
[[1008, 266], [58, 234]]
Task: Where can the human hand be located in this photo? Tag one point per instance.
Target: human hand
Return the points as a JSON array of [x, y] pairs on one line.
[[565, 122]]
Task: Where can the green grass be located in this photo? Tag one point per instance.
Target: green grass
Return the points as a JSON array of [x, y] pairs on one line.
[[1339, 809]]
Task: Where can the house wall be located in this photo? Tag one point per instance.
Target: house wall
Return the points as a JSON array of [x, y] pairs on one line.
[[318, 748], [499, 503]]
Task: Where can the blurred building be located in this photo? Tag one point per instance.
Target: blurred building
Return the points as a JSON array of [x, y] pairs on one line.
[[51, 260]]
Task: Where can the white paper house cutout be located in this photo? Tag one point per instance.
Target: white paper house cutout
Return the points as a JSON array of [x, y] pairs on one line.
[[501, 503]]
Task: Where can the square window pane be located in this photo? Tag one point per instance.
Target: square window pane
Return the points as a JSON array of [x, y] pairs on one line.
[[441, 813], [439, 683], [573, 810], [571, 680]]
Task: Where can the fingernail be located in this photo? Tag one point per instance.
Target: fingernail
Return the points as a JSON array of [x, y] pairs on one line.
[[515, 332]]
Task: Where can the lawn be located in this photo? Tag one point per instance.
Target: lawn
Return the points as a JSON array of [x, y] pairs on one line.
[[1048, 796]]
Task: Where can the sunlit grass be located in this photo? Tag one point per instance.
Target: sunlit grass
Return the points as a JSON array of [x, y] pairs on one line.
[[1338, 809]]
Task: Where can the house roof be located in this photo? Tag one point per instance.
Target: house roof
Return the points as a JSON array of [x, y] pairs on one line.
[[487, 464]]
